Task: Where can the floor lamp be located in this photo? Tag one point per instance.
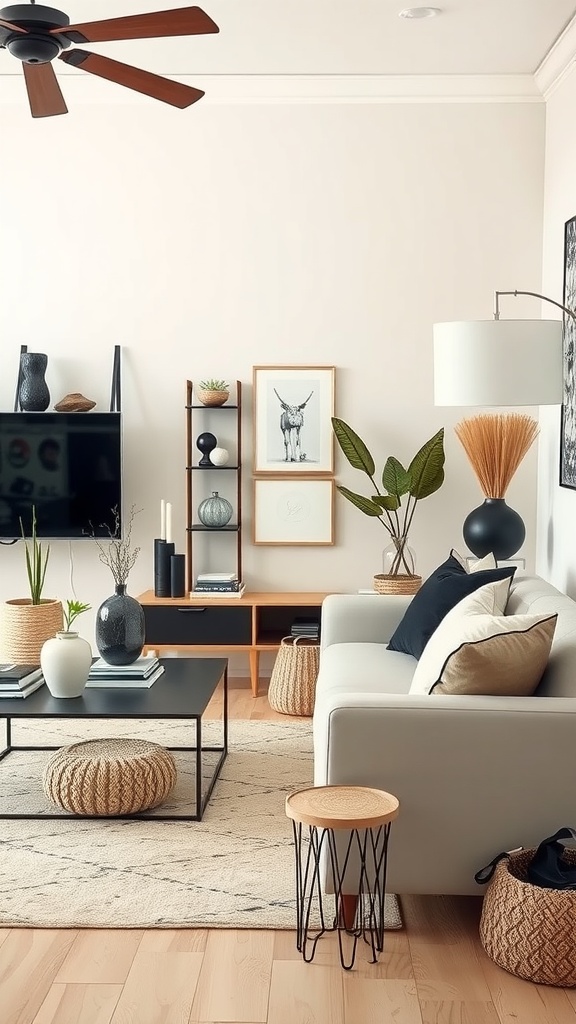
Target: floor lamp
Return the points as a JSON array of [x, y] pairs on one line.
[[498, 363]]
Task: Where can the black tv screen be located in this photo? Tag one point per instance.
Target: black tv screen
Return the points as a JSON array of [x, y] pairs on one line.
[[65, 466]]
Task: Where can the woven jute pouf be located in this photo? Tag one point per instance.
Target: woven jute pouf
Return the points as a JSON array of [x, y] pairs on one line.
[[526, 929], [109, 776]]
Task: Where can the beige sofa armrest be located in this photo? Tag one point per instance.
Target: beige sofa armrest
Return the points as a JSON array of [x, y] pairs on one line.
[[366, 618]]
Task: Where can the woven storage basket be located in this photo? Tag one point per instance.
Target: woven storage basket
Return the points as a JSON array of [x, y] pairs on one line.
[[398, 584], [526, 929], [293, 681], [24, 627], [109, 776]]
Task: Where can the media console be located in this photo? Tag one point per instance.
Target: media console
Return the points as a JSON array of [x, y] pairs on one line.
[[252, 623]]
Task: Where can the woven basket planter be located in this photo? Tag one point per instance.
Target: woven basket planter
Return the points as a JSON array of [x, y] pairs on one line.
[[397, 584], [292, 687], [526, 929], [208, 396], [24, 628]]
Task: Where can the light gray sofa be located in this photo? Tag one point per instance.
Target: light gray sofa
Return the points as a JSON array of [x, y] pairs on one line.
[[474, 775]]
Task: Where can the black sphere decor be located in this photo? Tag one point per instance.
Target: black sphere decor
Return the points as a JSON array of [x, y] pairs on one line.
[[494, 527], [206, 443]]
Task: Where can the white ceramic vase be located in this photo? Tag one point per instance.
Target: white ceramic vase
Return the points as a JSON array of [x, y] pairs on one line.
[[65, 661]]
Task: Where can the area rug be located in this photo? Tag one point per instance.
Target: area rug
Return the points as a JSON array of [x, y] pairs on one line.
[[235, 869]]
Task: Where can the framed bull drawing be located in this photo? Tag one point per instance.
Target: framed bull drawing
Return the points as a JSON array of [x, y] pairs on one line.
[[293, 407]]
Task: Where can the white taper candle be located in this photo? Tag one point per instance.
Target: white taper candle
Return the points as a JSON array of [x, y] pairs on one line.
[[168, 522], [162, 519]]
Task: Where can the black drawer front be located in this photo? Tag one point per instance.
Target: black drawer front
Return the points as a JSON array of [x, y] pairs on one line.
[[198, 624]]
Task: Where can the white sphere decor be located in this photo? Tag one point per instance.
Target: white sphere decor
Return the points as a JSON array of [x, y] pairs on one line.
[[219, 456]]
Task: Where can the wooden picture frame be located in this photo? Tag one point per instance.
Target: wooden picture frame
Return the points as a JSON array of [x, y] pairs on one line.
[[568, 412], [293, 510], [293, 409]]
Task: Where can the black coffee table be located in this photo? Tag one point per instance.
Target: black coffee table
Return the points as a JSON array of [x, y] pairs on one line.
[[183, 691]]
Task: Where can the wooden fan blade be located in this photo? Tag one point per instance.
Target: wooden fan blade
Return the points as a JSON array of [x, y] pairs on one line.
[[185, 21], [13, 28], [44, 92], [133, 78]]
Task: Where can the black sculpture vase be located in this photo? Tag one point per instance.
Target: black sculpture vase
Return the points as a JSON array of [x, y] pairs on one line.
[[494, 527], [33, 393], [120, 628]]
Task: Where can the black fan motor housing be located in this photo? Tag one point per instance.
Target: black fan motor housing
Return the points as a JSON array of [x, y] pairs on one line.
[[37, 46]]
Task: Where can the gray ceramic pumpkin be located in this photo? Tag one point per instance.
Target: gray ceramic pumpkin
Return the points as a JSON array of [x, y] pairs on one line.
[[215, 511]]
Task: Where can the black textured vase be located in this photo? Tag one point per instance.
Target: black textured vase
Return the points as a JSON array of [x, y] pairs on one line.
[[33, 393], [120, 628], [494, 527]]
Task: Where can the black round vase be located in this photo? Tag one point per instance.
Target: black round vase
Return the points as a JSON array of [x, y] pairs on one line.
[[33, 393], [120, 628], [494, 527]]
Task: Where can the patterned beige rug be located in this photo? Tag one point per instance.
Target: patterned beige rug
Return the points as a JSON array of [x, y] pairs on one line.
[[235, 869]]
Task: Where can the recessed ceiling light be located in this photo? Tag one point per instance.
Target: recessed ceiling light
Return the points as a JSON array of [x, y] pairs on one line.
[[420, 12]]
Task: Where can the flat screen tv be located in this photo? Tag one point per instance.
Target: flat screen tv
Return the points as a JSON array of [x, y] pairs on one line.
[[66, 466]]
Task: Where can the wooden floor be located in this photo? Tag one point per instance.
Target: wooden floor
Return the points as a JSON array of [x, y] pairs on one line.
[[433, 972]]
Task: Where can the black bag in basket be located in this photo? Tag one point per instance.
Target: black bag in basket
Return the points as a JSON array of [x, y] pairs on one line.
[[548, 867]]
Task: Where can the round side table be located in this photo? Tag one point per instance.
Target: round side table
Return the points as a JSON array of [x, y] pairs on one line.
[[317, 814]]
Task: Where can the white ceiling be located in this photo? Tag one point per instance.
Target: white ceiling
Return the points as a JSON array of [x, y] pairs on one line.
[[338, 37]]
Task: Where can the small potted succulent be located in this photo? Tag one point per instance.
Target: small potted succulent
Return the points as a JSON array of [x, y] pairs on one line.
[[66, 658], [213, 391]]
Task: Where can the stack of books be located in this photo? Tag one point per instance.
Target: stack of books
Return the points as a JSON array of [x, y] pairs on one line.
[[218, 584], [142, 673], [306, 627], [19, 680]]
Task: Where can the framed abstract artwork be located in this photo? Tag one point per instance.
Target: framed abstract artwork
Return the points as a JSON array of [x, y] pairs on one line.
[[293, 511], [568, 417], [293, 408]]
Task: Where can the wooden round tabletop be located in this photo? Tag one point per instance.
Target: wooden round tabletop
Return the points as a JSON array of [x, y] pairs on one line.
[[342, 807]]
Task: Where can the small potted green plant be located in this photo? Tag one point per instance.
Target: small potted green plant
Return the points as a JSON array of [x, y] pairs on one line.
[[213, 391], [66, 658], [27, 622]]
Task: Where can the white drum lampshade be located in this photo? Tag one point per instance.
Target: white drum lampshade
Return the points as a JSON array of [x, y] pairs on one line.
[[498, 362]]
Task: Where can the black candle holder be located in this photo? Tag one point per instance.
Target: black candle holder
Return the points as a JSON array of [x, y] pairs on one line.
[[177, 584], [163, 551]]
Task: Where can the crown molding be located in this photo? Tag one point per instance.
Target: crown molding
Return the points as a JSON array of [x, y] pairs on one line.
[[558, 62], [277, 89]]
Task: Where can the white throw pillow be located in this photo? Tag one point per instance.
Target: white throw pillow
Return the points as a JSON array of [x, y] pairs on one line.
[[488, 562], [476, 650], [487, 600]]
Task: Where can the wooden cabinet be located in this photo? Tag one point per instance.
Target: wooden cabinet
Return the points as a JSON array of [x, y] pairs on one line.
[[252, 623], [220, 420]]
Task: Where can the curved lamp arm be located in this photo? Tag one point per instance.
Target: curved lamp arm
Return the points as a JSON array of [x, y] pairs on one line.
[[536, 295]]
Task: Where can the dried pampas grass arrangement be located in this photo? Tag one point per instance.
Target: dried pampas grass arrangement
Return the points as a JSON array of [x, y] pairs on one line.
[[496, 445]]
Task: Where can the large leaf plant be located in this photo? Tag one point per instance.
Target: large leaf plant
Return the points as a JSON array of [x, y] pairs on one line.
[[423, 477]]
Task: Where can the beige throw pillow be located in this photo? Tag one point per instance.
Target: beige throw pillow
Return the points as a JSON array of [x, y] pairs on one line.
[[487, 600], [508, 663]]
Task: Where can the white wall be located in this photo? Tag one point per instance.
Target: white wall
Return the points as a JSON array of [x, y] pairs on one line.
[[207, 241], [556, 550]]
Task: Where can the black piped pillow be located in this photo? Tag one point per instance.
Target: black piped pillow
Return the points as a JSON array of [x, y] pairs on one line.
[[447, 585]]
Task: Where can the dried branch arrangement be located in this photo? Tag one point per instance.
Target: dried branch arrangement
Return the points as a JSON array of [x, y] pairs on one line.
[[119, 555], [495, 446]]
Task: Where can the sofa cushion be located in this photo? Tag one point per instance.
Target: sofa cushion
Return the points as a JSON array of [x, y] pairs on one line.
[[489, 600], [444, 588], [475, 651], [363, 668]]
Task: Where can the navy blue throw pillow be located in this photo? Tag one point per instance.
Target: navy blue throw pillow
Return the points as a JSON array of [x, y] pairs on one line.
[[447, 585]]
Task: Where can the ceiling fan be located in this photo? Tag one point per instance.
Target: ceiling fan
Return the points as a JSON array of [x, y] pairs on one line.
[[36, 35]]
